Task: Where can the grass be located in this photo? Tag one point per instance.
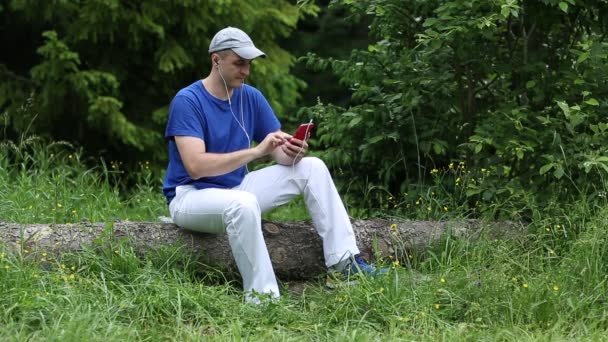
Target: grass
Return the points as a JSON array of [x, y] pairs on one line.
[[549, 285]]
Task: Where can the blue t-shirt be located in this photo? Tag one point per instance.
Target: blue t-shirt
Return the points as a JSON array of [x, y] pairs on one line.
[[196, 113]]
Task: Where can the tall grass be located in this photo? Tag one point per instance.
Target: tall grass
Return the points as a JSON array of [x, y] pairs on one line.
[[547, 285], [50, 183]]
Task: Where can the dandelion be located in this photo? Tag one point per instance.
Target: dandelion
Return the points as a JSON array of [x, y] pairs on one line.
[[44, 254], [551, 251], [72, 276], [442, 280], [451, 166], [63, 266], [381, 289], [417, 202], [396, 263], [555, 288], [74, 211], [393, 226], [115, 252], [445, 209], [70, 156], [429, 208], [437, 306], [525, 285], [548, 229], [434, 171], [514, 279], [59, 205], [7, 267]]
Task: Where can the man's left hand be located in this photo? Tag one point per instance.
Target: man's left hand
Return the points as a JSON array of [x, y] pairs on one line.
[[295, 148]]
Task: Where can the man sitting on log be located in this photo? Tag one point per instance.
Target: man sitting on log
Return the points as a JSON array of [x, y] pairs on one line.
[[210, 130]]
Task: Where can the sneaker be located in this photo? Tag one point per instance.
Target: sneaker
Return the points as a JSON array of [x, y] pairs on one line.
[[345, 272]]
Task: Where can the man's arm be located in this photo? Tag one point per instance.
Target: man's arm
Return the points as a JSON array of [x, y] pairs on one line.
[[200, 163], [291, 152]]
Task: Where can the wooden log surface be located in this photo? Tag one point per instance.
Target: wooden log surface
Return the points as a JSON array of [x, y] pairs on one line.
[[295, 247]]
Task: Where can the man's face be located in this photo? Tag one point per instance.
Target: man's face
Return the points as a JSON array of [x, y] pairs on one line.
[[234, 68]]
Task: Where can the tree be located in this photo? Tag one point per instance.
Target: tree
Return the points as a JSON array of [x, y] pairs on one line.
[[514, 87], [102, 72]]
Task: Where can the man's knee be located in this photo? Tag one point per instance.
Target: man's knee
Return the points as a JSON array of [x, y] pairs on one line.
[[314, 163], [245, 202]]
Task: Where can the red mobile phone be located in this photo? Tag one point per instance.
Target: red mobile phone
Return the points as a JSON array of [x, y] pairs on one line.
[[303, 131]]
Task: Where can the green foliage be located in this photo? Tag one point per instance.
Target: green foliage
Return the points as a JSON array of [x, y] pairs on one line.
[[523, 289], [43, 182], [101, 73], [551, 282], [513, 87]]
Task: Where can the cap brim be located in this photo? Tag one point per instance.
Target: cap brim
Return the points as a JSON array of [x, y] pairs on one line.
[[249, 52]]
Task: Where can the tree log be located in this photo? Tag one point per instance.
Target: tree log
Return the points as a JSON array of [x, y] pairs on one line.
[[294, 247]]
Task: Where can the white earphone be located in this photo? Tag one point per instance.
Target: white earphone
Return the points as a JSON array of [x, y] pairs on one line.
[[242, 122]]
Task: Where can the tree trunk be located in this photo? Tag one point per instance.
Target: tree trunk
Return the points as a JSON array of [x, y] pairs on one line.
[[295, 247]]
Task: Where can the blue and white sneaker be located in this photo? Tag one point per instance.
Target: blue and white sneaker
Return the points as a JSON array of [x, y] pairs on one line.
[[346, 272]]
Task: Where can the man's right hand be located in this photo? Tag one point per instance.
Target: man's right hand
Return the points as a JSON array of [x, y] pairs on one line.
[[272, 141]]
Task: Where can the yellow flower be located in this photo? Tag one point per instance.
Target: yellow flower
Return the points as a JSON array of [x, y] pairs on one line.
[[429, 208], [555, 288], [525, 285], [437, 306], [44, 254], [70, 156], [451, 166], [445, 209], [442, 280], [63, 266], [72, 276], [434, 171], [396, 263], [393, 226], [59, 205]]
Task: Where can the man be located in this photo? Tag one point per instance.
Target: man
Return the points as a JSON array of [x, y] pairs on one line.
[[211, 126]]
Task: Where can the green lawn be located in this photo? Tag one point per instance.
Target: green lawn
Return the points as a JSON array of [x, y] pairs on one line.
[[548, 285]]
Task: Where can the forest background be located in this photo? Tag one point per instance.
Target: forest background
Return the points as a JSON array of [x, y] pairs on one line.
[[440, 109]]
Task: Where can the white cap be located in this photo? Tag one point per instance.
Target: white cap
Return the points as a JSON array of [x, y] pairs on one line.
[[236, 40]]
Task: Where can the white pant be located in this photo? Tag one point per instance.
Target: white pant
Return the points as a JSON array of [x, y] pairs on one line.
[[238, 211]]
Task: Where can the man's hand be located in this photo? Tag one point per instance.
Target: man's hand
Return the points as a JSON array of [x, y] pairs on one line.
[[295, 148], [291, 152], [271, 142]]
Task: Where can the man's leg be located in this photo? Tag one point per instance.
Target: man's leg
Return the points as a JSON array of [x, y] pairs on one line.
[[276, 185], [238, 214]]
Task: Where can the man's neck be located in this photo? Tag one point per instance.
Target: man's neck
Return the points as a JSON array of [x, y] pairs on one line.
[[216, 87]]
